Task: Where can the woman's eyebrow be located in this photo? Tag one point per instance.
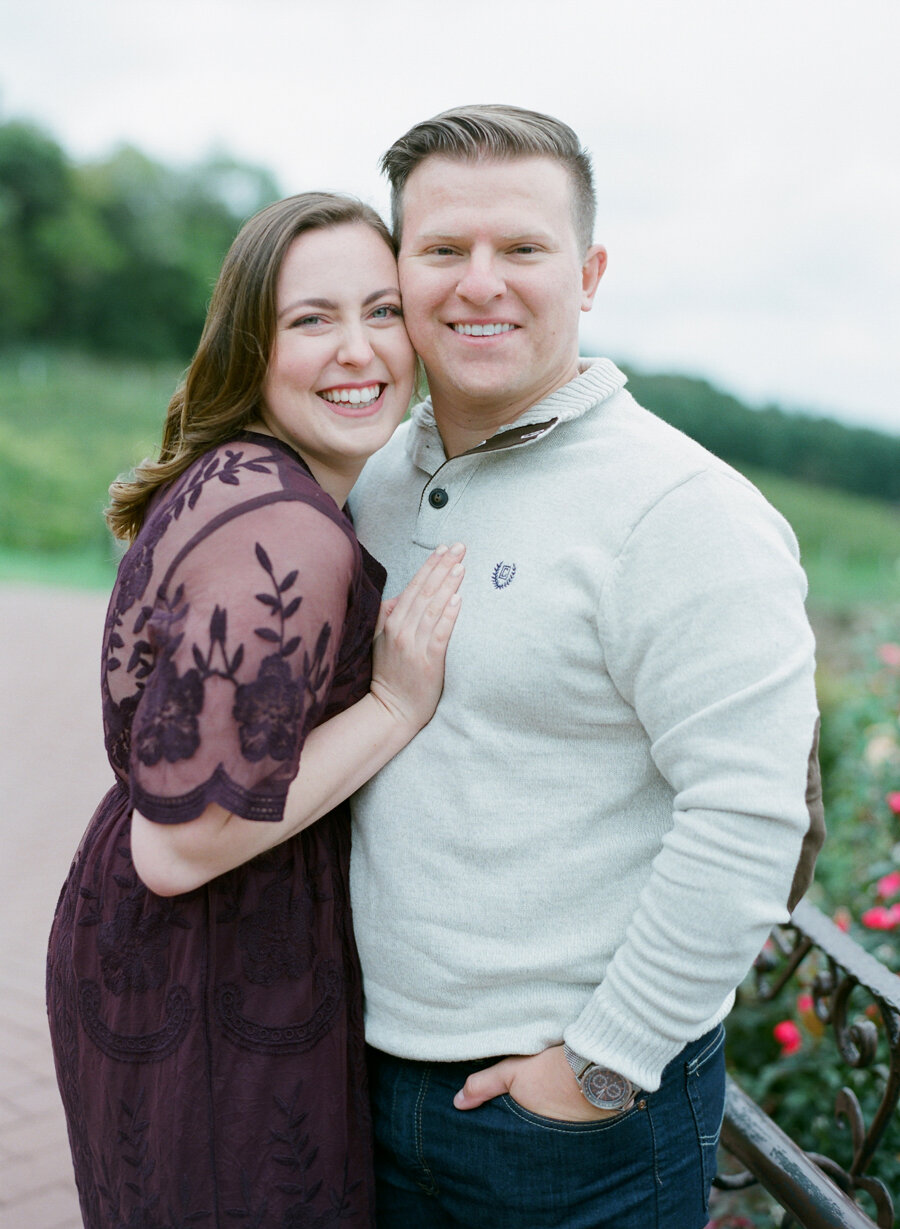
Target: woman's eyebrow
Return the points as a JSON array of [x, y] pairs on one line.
[[330, 305], [378, 294], [324, 304]]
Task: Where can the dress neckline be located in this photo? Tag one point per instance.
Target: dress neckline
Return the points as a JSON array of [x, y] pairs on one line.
[[263, 437]]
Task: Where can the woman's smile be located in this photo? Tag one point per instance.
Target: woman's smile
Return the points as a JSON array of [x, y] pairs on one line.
[[354, 400]]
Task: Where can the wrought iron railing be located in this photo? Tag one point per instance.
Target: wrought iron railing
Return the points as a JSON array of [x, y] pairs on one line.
[[819, 1192]]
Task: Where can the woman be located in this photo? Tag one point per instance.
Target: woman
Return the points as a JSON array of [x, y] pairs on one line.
[[203, 985]]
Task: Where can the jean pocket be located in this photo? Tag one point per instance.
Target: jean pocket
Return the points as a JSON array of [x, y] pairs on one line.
[[588, 1126], [705, 1081]]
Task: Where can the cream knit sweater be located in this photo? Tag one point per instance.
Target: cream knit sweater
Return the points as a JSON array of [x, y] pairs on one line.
[[595, 833]]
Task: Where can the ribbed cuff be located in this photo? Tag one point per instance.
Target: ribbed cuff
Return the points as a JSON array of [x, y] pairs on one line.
[[611, 1036]]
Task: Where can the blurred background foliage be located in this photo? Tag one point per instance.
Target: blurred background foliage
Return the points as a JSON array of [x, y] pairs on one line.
[[106, 269], [117, 256]]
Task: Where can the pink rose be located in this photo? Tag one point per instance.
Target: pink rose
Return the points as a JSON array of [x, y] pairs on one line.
[[893, 801], [881, 917], [788, 1036], [889, 885]]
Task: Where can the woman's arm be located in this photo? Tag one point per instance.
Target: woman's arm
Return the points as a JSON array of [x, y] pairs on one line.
[[338, 756]]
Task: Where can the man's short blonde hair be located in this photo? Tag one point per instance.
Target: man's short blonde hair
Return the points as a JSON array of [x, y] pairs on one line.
[[494, 131]]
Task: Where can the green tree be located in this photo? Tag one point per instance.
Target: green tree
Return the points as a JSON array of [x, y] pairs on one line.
[[166, 232], [35, 190], [811, 449], [117, 256]]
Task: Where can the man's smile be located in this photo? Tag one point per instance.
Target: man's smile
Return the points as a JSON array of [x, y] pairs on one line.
[[488, 329]]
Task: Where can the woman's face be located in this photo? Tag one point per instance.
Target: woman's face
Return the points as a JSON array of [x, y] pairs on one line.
[[341, 370]]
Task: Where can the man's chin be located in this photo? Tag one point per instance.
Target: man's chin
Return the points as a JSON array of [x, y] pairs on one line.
[[480, 378]]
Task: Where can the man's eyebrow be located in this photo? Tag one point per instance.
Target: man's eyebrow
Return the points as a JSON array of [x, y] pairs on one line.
[[527, 236], [329, 305]]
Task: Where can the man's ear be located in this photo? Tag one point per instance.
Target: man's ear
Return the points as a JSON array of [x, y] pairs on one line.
[[591, 271]]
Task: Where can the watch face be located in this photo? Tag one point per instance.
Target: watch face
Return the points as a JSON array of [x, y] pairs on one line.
[[606, 1089]]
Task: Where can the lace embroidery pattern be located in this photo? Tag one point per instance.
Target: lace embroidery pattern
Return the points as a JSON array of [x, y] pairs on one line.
[[133, 946], [276, 940], [290, 1038], [268, 710], [141, 1047], [147, 1209], [135, 574], [296, 1155]]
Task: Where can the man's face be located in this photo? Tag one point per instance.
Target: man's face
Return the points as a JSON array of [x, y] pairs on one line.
[[493, 282]]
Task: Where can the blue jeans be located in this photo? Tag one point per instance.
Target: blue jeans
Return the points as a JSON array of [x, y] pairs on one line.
[[503, 1167]]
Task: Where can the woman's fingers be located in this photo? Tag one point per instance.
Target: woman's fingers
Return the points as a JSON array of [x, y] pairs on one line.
[[386, 609], [433, 613], [445, 622], [428, 582], [408, 658]]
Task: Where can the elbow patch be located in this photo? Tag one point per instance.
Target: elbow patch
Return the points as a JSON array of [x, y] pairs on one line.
[[815, 833]]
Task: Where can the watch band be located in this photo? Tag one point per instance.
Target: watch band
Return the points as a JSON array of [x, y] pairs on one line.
[[577, 1062]]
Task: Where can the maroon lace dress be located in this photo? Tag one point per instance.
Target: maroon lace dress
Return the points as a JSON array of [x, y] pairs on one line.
[[209, 1047]]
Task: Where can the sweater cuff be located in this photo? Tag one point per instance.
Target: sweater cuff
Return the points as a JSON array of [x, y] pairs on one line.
[[606, 1034]]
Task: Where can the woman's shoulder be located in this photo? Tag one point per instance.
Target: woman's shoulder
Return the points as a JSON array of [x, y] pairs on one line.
[[250, 472], [241, 505]]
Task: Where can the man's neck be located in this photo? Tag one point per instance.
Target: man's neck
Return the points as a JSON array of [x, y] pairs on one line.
[[464, 422], [462, 430]]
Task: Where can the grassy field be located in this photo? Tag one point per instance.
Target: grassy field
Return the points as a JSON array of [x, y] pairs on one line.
[[70, 423], [850, 546]]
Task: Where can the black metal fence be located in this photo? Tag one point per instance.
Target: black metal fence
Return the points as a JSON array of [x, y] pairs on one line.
[[815, 1191]]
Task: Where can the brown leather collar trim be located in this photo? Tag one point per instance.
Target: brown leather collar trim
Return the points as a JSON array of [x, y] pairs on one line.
[[514, 436]]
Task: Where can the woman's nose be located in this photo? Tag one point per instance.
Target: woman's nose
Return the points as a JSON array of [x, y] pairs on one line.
[[355, 349]]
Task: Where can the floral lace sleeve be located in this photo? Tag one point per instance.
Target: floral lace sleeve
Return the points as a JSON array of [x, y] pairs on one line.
[[238, 655]]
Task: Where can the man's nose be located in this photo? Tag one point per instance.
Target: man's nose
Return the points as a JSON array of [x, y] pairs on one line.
[[355, 347], [481, 280]]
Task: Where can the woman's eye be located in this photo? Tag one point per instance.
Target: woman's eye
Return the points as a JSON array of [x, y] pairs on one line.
[[306, 322], [387, 311]]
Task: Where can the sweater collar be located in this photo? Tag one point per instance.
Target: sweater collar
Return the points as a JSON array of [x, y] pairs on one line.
[[597, 380]]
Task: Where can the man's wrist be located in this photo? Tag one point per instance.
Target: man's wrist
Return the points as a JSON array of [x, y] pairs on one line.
[[600, 1086]]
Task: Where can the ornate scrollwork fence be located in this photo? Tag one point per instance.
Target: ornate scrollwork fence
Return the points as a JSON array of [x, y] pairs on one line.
[[817, 1191]]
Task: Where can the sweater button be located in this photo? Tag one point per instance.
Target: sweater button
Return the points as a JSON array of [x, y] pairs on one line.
[[438, 498]]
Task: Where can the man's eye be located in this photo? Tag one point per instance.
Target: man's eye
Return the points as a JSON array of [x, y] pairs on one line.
[[443, 251], [526, 249]]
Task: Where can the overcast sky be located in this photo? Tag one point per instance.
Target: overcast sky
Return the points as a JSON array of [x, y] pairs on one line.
[[747, 154]]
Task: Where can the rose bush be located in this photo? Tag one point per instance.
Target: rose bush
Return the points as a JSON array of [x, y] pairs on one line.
[[780, 1052]]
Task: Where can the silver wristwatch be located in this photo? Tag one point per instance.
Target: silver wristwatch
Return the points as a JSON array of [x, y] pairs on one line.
[[605, 1089]]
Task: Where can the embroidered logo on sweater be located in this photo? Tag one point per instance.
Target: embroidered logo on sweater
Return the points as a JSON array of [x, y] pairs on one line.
[[503, 574]]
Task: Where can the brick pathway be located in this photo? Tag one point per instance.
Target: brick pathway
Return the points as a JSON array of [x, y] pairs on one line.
[[52, 774]]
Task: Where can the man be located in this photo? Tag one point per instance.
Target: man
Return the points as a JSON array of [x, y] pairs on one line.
[[558, 884]]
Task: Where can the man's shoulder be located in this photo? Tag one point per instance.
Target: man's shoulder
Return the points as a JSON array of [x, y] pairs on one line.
[[632, 437], [640, 464]]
